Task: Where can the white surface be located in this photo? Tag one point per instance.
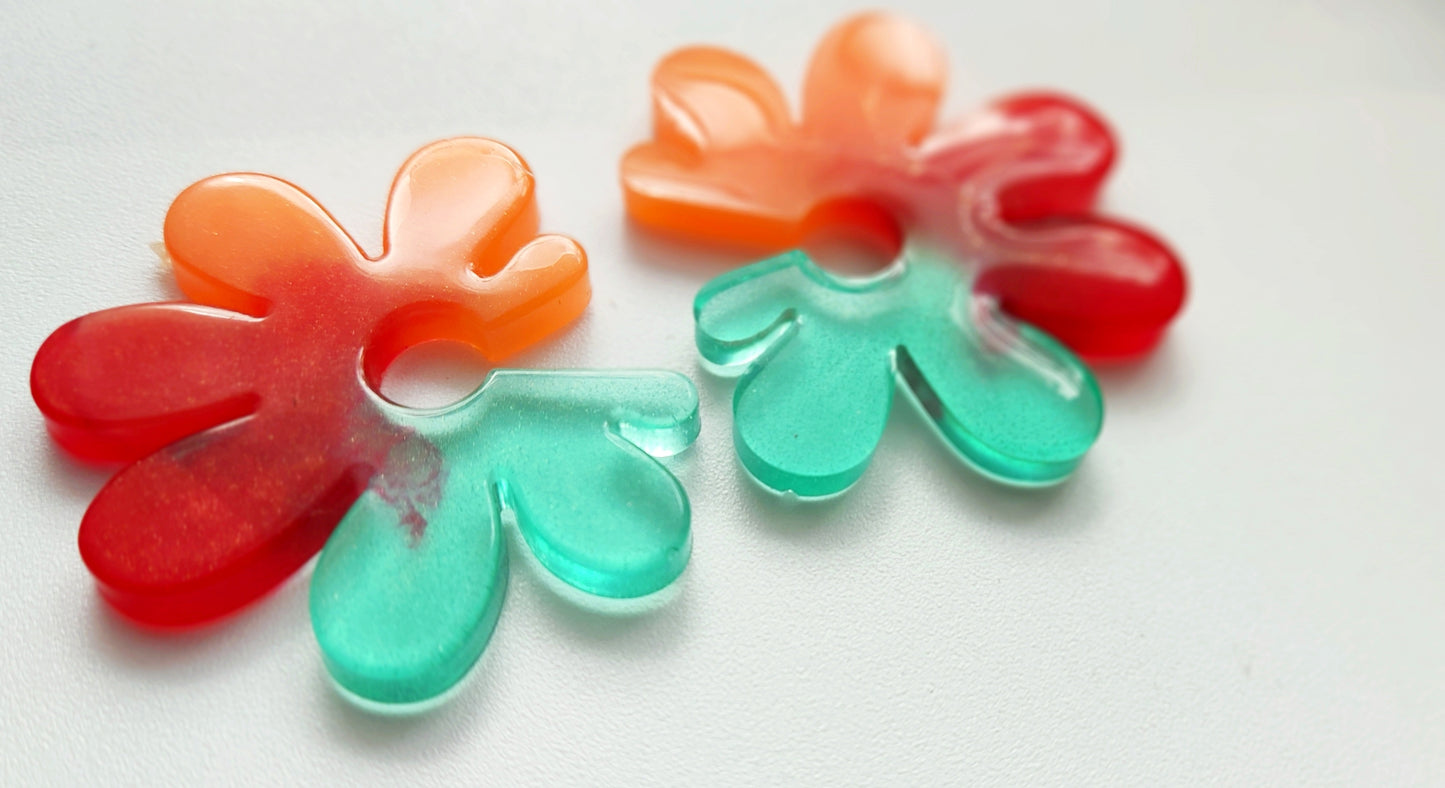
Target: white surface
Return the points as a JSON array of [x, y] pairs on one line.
[[1243, 583]]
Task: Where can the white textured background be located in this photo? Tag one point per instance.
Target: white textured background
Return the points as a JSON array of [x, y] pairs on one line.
[[1243, 583]]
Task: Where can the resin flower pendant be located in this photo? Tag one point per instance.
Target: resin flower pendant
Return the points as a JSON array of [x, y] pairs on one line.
[[252, 424]]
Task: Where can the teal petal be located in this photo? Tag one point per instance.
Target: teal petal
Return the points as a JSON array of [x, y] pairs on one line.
[[1009, 399], [402, 610], [573, 456]]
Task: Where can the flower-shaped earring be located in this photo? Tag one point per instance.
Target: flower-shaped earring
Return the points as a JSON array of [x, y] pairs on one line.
[[990, 218], [253, 424]]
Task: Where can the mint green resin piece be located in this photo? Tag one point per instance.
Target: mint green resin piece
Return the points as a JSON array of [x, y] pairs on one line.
[[820, 357], [407, 591]]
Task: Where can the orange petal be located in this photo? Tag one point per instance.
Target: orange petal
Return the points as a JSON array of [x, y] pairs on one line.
[[705, 99], [233, 239], [875, 78], [458, 205], [206, 525]]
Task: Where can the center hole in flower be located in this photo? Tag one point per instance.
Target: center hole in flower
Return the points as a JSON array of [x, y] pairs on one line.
[[434, 374], [852, 237]]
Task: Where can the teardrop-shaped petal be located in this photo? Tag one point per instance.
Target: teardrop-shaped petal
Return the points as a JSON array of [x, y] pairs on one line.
[[573, 454], [808, 415], [875, 78], [212, 522], [405, 598], [234, 240], [1036, 155], [1105, 288], [811, 406], [117, 385], [460, 205], [706, 99]]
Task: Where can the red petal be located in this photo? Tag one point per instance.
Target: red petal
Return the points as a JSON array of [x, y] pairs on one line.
[[213, 522], [119, 384], [1104, 288]]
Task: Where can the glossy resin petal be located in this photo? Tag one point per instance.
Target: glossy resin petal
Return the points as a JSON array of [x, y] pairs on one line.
[[260, 401]]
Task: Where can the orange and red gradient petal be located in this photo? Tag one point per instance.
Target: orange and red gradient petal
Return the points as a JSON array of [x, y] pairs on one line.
[[233, 238], [459, 206]]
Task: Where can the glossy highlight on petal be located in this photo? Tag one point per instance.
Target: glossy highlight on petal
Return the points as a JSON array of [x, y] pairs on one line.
[[400, 618]]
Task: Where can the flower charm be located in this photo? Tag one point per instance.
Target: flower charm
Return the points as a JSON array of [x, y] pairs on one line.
[[1006, 191], [252, 424]]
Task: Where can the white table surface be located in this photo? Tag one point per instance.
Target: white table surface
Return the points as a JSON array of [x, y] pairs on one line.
[[1243, 583]]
